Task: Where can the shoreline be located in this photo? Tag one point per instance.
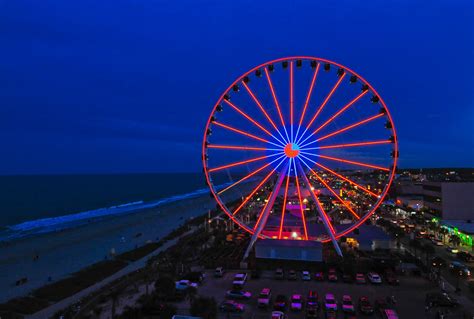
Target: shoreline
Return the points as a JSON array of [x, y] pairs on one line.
[[35, 227], [63, 253]]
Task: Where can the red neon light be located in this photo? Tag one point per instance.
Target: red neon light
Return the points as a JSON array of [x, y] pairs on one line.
[[248, 117], [350, 127], [353, 162], [348, 105], [291, 93], [301, 208], [259, 104], [230, 128], [326, 100], [253, 192], [237, 164], [320, 60], [356, 144], [284, 206], [347, 180], [289, 151], [244, 178], [269, 80], [334, 193], [233, 147], [310, 91]]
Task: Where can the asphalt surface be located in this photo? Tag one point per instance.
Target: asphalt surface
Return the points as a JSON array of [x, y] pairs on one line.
[[410, 294]]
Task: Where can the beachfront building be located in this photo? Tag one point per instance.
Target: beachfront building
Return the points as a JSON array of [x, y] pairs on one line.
[[444, 200], [462, 229]]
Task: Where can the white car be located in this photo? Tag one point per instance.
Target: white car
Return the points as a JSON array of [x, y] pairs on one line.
[[305, 275], [240, 279], [374, 278], [296, 302], [185, 284], [278, 315], [238, 294], [330, 302], [219, 272], [347, 305]]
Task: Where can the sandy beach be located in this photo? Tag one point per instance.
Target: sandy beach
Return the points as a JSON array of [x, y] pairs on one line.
[[64, 252]]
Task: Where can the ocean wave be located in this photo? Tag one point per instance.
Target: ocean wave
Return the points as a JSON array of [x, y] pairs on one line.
[[51, 224]]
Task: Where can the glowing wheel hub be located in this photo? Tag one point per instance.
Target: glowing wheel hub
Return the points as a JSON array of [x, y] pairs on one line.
[[292, 150]]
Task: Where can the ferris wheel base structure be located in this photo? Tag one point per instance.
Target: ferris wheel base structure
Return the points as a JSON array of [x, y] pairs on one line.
[[297, 250], [305, 122]]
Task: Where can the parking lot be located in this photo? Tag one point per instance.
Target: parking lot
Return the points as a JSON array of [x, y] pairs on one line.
[[410, 294]]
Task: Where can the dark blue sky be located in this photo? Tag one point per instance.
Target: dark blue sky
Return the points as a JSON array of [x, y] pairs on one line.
[[127, 85]]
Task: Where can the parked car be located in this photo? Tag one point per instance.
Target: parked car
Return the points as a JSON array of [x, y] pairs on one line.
[[460, 269], [365, 306], [240, 278], [347, 305], [278, 315], [195, 276], [440, 299], [292, 275], [231, 306], [374, 278], [296, 303], [219, 272], [332, 275], [389, 314], [312, 300], [319, 276], [184, 284], [239, 281], [360, 278], [264, 298], [238, 294], [330, 302], [305, 275], [280, 303], [279, 273]]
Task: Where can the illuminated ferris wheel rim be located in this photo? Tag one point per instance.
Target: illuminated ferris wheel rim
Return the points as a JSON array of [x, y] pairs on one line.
[[290, 147]]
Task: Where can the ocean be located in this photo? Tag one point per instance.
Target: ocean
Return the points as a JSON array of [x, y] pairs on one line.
[[42, 203]]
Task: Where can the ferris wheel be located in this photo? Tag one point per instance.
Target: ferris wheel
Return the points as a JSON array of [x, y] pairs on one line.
[[299, 148]]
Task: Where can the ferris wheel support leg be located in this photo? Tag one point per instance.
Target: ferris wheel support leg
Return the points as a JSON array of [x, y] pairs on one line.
[[266, 211], [323, 216]]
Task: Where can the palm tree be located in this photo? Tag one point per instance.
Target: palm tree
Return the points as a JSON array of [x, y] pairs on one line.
[[444, 232], [455, 240]]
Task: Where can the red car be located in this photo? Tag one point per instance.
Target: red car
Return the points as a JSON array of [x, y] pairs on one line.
[[332, 275]]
